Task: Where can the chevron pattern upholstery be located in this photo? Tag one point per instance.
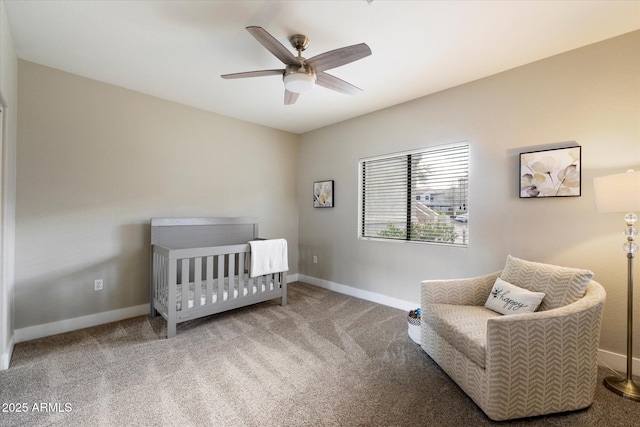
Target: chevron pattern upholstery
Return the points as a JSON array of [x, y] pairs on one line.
[[561, 285], [534, 364], [465, 326]]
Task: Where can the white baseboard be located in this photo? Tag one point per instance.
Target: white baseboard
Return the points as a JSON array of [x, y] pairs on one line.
[[359, 293], [68, 325], [617, 362], [607, 359], [5, 358]]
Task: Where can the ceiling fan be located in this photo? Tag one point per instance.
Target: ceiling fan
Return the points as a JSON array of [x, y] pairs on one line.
[[301, 74]]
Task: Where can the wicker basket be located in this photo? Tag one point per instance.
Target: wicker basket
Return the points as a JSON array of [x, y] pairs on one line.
[[414, 329]]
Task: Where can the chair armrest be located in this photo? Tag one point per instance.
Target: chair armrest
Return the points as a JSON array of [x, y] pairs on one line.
[[470, 291], [544, 354]]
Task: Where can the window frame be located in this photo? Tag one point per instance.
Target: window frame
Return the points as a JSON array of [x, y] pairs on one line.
[[411, 196]]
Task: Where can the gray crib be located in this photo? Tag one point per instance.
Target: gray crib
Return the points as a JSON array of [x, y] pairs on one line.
[[199, 267]]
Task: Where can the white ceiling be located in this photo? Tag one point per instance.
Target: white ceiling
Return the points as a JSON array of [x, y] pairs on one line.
[[177, 50]]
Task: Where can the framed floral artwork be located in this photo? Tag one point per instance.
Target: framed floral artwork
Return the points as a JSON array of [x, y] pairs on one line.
[[323, 194], [551, 173]]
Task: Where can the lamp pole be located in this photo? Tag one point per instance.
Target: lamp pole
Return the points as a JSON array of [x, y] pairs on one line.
[[626, 386]]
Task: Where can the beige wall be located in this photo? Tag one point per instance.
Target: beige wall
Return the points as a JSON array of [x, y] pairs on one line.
[[96, 162], [9, 99], [590, 96]]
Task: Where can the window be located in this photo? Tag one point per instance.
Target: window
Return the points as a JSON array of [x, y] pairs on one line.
[[417, 196]]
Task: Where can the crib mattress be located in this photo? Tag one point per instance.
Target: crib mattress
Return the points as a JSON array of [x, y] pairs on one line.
[[225, 294]]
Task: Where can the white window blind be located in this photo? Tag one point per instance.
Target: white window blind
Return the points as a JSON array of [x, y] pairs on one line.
[[420, 195]]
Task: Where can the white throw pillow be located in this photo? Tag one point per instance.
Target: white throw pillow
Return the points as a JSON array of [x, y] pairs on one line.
[[506, 298]]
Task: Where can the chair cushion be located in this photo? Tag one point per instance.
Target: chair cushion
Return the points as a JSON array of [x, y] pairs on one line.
[[561, 285], [462, 326], [506, 298]]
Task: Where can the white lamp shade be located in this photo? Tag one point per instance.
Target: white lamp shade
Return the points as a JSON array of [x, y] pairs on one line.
[[617, 193], [299, 82]]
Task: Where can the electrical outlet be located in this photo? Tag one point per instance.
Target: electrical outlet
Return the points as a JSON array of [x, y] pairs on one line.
[[98, 285], [315, 259]]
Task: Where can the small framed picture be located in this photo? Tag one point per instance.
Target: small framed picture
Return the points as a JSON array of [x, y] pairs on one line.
[[323, 194], [551, 173]]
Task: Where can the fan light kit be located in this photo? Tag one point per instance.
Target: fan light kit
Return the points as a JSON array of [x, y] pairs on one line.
[[299, 82], [301, 74]]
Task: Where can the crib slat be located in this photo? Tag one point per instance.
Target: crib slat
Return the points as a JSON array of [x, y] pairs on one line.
[[220, 278], [255, 285], [241, 266], [166, 287], [231, 259], [159, 280], [172, 276], [164, 279], [185, 284], [197, 281], [154, 279], [209, 299]]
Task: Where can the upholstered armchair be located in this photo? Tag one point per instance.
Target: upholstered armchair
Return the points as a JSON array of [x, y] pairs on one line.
[[517, 365]]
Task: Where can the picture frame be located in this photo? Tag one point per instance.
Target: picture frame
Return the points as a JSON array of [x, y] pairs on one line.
[[551, 173], [323, 194]]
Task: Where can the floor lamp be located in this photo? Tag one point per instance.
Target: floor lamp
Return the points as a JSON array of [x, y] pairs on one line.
[[621, 193]]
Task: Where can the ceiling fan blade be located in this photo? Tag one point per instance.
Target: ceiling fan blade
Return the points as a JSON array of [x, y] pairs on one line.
[[273, 45], [332, 82], [253, 74], [338, 57], [290, 98]]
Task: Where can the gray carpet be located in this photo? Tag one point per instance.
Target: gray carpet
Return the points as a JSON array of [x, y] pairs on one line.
[[325, 359]]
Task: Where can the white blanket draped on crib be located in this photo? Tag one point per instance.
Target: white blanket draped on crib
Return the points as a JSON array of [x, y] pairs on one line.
[[268, 256]]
